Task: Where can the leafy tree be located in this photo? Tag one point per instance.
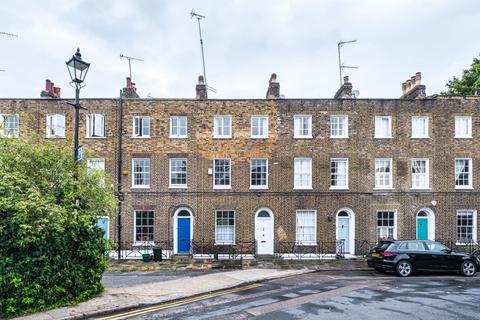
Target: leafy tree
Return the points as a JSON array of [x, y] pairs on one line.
[[51, 251], [468, 84]]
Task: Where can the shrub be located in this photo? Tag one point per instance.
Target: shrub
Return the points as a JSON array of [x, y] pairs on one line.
[[51, 251]]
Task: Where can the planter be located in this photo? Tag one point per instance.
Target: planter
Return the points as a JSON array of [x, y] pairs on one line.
[[146, 257]]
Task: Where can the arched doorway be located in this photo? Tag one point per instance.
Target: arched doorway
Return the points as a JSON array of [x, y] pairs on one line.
[[182, 231], [264, 232], [425, 224], [345, 221]]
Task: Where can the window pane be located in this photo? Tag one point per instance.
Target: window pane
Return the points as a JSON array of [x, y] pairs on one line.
[[144, 225]]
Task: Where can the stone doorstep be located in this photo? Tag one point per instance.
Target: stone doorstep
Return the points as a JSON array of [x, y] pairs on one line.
[[171, 297]]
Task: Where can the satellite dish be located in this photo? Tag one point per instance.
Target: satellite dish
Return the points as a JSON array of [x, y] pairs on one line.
[[355, 94]]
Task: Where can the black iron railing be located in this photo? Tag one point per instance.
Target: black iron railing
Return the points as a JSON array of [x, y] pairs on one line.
[[136, 249], [363, 247], [311, 250], [234, 251], [470, 247]]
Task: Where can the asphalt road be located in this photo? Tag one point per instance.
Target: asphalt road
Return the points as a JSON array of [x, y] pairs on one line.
[[341, 295]]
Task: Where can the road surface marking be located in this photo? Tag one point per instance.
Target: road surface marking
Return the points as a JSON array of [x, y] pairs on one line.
[[306, 299], [137, 312]]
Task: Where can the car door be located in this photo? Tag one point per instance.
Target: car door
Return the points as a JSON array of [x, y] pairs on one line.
[[418, 254], [441, 257]]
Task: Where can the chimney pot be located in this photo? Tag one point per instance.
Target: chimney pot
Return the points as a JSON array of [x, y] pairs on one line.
[[345, 79], [273, 91], [56, 91], [418, 78], [404, 87], [201, 80], [48, 85]]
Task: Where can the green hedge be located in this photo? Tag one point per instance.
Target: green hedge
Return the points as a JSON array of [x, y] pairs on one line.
[[51, 252]]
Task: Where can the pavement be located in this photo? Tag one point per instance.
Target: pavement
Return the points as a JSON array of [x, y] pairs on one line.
[[154, 291]]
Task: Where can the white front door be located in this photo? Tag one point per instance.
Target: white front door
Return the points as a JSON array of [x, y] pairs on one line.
[[264, 232]]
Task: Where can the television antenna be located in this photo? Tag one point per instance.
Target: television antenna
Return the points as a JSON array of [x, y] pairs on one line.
[[2, 70], [130, 62], [199, 17], [341, 66], [9, 34]]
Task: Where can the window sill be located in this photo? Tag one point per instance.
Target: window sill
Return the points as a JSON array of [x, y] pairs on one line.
[[252, 137], [95, 137], [222, 137], [224, 243], [222, 187], [143, 244], [383, 188], [421, 189], [339, 137], [178, 137], [302, 137], [258, 187], [463, 137], [141, 137], [426, 137], [339, 188], [472, 243], [140, 187], [302, 188], [53, 137], [306, 243], [463, 188], [177, 187], [383, 137]]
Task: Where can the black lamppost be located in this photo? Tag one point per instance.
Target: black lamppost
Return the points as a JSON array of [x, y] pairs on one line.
[[78, 70]]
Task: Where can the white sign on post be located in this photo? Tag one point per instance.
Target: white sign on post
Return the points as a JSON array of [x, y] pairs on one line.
[[80, 153]]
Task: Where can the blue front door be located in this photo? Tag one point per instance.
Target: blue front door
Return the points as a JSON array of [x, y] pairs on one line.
[[422, 228], [183, 235], [344, 233]]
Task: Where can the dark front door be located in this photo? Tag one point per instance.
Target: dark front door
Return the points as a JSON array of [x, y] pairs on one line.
[[183, 235]]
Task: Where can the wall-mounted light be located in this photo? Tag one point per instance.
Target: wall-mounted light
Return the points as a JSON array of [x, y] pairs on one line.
[[125, 172], [330, 218]]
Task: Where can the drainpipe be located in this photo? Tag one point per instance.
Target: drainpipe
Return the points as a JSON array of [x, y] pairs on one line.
[[120, 194]]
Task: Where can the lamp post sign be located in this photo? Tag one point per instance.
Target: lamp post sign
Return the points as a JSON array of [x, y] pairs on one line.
[[80, 153]]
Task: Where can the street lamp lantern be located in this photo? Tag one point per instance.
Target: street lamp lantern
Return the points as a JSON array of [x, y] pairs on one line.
[[78, 70], [77, 67]]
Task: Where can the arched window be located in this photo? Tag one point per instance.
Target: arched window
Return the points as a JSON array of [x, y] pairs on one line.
[[263, 214], [343, 214], [184, 213]]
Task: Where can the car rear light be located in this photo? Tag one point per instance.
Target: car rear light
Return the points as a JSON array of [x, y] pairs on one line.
[[389, 254]]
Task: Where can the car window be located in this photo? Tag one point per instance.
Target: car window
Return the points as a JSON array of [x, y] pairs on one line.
[[416, 246], [435, 246], [402, 246]]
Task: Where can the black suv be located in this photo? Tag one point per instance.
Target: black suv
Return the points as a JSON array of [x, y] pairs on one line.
[[406, 256]]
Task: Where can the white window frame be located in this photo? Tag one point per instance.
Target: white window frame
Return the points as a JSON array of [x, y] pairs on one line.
[[217, 242], [3, 131], [222, 126], [474, 225], [141, 135], [95, 136], [177, 135], [470, 174], [426, 135], [306, 242], [266, 178], [395, 223], [389, 133], [297, 187], [58, 122], [264, 129], [181, 186], [332, 133], [147, 242], [383, 187], [427, 174], [296, 124], [344, 187], [458, 134], [141, 186], [229, 186]]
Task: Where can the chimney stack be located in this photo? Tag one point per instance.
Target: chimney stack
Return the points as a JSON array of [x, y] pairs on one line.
[[345, 91], [201, 89], [130, 91], [50, 90], [273, 91], [413, 88]]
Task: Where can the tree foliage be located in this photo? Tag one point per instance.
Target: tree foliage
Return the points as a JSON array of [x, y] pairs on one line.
[[468, 84], [51, 251]]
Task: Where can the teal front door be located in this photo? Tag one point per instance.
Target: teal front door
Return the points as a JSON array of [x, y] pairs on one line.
[[422, 228]]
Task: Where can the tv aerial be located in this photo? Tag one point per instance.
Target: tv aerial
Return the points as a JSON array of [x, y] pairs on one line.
[[341, 66], [8, 34], [199, 17], [130, 59]]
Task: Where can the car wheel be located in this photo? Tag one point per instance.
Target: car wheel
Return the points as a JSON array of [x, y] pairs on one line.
[[468, 268], [404, 268]]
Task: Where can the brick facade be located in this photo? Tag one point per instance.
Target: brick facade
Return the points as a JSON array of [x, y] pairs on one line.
[[280, 148]]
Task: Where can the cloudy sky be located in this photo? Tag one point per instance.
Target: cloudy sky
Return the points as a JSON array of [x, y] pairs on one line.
[[245, 41]]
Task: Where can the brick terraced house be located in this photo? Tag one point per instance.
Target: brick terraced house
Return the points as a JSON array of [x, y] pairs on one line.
[[297, 175]]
